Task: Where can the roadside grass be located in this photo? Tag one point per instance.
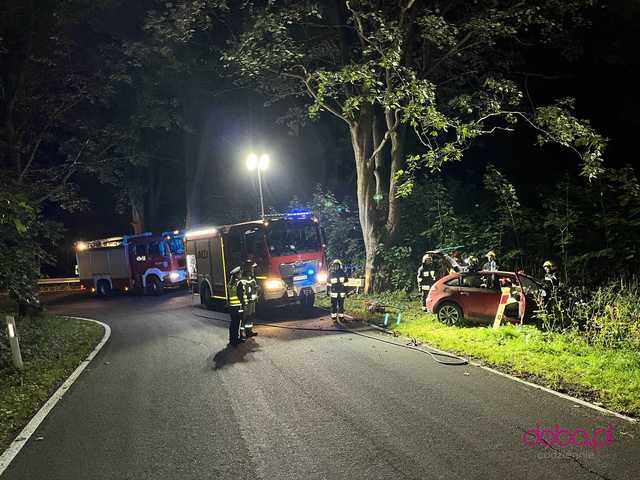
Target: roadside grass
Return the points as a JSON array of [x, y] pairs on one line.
[[562, 361], [52, 347]]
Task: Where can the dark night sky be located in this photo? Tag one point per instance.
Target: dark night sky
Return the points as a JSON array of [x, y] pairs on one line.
[[603, 79]]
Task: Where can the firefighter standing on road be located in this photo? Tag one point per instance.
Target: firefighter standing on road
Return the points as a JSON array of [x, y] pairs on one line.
[[426, 277], [249, 297], [236, 310], [337, 290]]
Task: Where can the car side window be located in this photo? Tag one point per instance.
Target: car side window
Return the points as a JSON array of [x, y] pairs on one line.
[[233, 245], [473, 281], [454, 282]]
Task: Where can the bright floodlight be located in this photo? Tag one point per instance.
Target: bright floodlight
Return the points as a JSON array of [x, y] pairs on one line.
[[264, 161], [252, 161]]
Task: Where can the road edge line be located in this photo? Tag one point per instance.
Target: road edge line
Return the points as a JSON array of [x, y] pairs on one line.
[[530, 384], [558, 394], [25, 434]]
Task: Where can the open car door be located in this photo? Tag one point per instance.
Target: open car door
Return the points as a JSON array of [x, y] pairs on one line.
[[532, 293]]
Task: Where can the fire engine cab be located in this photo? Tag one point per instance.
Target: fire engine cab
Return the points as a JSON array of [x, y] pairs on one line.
[[145, 262], [288, 249]]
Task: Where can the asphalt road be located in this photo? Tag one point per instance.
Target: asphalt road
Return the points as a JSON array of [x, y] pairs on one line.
[[167, 399]]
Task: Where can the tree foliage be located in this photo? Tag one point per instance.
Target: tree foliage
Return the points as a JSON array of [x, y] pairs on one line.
[[416, 83]]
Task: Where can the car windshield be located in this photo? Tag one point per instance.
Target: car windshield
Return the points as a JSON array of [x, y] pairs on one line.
[[287, 237], [176, 245]]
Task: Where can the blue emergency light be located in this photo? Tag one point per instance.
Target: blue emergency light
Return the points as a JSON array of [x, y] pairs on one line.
[[311, 271], [299, 213]]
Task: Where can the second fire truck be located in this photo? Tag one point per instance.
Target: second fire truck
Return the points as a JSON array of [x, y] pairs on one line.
[[288, 249]]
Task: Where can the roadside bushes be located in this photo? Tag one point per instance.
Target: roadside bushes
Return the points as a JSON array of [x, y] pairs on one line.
[[607, 316]]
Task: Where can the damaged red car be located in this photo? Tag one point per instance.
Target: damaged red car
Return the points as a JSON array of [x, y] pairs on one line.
[[474, 297]]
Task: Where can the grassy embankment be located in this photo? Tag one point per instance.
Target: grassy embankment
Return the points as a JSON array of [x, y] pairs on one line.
[[52, 347], [564, 361]]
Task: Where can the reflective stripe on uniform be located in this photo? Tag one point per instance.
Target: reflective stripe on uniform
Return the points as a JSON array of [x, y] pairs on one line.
[[341, 279], [248, 325], [334, 295], [342, 294], [334, 280], [333, 315]]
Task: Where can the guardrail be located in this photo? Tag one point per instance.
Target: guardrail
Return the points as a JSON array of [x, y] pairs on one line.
[[59, 284], [356, 283]]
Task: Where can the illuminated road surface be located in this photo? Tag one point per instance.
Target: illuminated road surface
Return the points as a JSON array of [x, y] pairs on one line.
[[166, 399]]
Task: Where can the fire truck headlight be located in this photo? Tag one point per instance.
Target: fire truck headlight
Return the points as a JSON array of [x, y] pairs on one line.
[[80, 246], [321, 277], [174, 276], [273, 284]]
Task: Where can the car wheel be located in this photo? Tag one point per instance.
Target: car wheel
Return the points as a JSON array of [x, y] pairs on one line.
[[450, 313], [154, 287]]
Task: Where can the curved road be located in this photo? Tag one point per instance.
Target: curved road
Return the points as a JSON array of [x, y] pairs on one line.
[[167, 399]]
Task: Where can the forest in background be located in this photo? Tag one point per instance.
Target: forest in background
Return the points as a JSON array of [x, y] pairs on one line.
[[139, 117]]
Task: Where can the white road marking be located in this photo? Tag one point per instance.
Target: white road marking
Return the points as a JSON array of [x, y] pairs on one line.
[[23, 437], [539, 387]]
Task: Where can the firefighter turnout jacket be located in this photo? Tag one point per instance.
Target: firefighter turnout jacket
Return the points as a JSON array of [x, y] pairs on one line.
[[336, 285], [426, 276]]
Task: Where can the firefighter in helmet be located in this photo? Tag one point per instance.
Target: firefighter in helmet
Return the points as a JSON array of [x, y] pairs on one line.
[[426, 277], [550, 276], [248, 296], [490, 265], [336, 289], [236, 309], [473, 264]]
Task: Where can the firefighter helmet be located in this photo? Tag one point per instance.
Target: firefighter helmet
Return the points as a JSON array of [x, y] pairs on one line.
[[335, 263], [548, 264], [248, 266], [472, 261], [426, 258], [491, 253]]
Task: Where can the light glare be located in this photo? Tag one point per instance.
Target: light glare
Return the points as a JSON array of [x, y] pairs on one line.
[[264, 161], [204, 231], [252, 161]]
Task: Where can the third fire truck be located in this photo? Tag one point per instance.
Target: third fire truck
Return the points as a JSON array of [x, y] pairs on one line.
[[145, 262]]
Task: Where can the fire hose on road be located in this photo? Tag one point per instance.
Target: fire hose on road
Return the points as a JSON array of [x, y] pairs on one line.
[[432, 353]]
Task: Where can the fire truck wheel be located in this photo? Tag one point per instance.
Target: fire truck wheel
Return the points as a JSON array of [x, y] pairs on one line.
[[308, 300], [103, 288], [154, 286], [205, 297]]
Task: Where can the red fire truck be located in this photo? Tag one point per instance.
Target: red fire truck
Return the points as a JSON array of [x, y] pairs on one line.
[[145, 262], [288, 249]]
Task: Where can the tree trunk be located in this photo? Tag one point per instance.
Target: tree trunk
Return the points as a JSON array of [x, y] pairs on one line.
[[397, 162], [193, 170], [154, 197], [137, 216], [372, 230]]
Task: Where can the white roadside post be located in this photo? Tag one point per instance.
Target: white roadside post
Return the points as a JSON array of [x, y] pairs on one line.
[[13, 341]]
